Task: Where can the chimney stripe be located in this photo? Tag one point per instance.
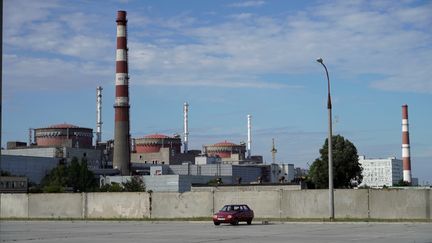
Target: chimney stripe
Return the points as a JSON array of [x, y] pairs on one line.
[[121, 55], [121, 79], [121, 30]]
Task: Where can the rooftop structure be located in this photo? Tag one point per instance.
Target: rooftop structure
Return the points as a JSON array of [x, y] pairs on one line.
[[154, 142], [227, 151], [67, 135]]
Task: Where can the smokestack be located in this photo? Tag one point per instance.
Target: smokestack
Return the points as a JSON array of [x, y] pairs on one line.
[[185, 126], [249, 141], [406, 145], [98, 115], [121, 156]]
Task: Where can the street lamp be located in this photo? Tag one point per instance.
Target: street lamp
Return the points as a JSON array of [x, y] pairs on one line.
[[330, 155]]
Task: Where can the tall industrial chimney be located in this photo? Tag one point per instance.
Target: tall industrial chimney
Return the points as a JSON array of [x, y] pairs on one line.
[[185, 126], [121, 156], [249, 141], [406, 145], [98, 115]]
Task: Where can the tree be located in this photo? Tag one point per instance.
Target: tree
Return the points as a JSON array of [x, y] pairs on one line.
[[345, 165], [56, 180], [136, 184], [402, 183], [76, 176], [5, 173]]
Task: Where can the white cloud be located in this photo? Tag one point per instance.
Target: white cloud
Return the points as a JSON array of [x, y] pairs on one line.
[[391, 41], [244, 4], [52, 74]]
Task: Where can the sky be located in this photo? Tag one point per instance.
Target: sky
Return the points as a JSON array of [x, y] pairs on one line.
[[228, 59]]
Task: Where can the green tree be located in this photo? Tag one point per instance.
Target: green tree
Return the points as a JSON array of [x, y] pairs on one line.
[[76, 176], [345, 164], [5, 173], [56, 180], [402, 183], [114, 187], [136, 184]]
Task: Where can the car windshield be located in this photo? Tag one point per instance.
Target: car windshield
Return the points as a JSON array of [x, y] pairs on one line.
[[228, 208]]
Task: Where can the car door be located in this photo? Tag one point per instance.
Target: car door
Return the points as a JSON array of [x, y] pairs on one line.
[[243, 213]]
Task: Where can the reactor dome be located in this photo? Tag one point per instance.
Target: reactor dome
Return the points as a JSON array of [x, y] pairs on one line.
[[64, 135], [225, 149], [154, 142]]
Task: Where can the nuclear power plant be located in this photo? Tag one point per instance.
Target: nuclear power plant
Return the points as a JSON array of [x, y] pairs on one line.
[[161, 156]]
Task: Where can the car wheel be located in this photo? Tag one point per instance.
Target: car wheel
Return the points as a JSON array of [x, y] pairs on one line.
[[249, 222], [216, 223], [235, 222]]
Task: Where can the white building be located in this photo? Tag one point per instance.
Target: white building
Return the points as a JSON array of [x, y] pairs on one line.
[[381, 172]]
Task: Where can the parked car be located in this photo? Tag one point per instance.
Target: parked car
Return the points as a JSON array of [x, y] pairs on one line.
[[233, 214]]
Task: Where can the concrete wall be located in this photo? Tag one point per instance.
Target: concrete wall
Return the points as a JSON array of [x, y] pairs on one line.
[[350, 203], [304, 204], [118, 205], [396, 204], [374, 204], [182, 205], [55, 205], [14, 205]]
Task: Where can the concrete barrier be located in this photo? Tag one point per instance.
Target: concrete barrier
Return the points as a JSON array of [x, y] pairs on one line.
[[14, 205], [117, 205], [182, 205], [362, 204], [305, 204], [55, 205], [350, 203], [400, 204]]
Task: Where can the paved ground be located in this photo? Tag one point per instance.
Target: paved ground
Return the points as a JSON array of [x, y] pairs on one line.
[[155, 232]]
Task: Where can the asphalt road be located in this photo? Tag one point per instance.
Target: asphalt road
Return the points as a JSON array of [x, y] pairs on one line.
[[155, 232]]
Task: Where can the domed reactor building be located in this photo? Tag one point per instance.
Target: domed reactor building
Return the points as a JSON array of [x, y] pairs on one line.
[[159, 149], [155, 142], [227, 151], [64, 135]]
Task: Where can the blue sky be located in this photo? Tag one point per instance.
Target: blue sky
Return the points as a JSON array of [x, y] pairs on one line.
[[228, 59]]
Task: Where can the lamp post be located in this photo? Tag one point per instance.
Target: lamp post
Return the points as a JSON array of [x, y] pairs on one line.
[[330, 155]]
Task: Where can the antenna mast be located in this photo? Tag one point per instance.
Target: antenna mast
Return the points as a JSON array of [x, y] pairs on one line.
[[273, 151]]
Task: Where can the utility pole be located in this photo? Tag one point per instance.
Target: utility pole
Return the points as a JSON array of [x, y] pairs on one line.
[[330, 135]]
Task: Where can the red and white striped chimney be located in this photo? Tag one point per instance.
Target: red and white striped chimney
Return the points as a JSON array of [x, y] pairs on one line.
[[406, 145], [121, 156]]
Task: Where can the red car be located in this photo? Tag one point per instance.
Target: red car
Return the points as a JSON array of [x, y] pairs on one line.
[[233, 214]]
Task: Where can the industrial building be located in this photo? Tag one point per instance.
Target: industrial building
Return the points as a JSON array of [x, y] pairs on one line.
[[66, 135], [180, 178], [227, 151], [161, 149], [381, 172], [13, 184], [51, 145]]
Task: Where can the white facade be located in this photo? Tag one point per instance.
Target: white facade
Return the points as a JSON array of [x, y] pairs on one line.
[[381, 172], [204, 160], [282, 173]]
